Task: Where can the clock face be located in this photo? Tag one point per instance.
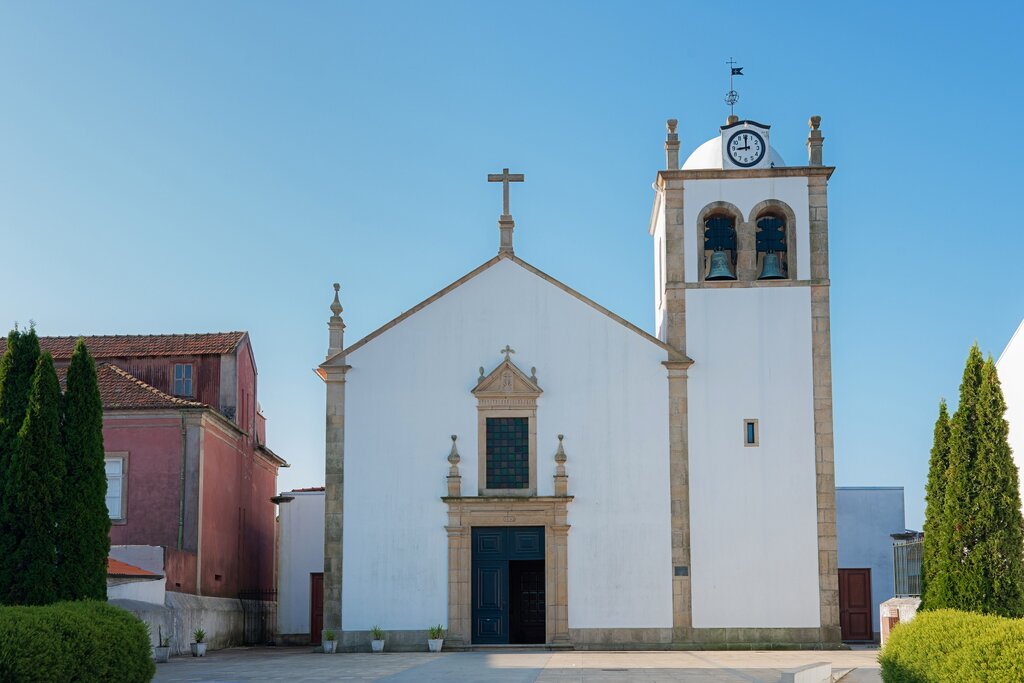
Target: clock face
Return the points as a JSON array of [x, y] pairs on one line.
[[746, 148]]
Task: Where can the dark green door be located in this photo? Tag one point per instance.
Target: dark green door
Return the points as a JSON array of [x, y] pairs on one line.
[[508, 585]]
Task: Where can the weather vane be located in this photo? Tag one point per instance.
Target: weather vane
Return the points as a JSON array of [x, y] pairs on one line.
[[732, 97]]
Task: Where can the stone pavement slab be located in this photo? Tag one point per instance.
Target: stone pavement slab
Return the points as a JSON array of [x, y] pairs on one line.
[[298, 665]]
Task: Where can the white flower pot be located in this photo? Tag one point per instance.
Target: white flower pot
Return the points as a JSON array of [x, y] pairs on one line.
[[161, 654], [434, 644], [377, 645], [330, 646], [198, 649]]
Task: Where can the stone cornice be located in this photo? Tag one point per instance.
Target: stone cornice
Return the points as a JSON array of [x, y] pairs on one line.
[[731, 174]]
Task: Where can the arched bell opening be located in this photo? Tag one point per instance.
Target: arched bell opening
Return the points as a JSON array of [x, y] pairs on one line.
[[772, 247], [719, 248]]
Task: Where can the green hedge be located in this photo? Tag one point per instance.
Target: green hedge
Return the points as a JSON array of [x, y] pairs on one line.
[[946, 645], [84, 642]]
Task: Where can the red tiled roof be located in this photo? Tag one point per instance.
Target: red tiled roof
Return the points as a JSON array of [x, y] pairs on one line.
[[310, 489], [119, 568], [121, 389], [142, 345]]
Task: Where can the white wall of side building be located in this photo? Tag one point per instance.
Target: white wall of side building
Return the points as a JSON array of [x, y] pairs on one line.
[[866, 518], [300, 553], [745, 195], [1011, 375], [753, 510], [605, 389]]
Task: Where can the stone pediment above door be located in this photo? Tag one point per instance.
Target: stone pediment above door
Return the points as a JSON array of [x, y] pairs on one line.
[[507, 384]]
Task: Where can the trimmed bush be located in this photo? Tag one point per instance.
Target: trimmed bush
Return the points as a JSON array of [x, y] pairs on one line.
[[85, 642], [947, 645]]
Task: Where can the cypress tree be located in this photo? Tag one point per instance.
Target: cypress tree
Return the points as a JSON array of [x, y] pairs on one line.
[[957, 531], [997, 561], [16, 368], [34, 491], [84, 526], [934, 563]]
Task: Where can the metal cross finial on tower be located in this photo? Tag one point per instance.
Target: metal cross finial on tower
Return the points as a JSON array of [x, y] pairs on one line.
[[505, 222], [507, 351], [732, 97]]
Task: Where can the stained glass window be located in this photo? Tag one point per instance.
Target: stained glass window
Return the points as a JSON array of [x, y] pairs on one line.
[[508, 453]]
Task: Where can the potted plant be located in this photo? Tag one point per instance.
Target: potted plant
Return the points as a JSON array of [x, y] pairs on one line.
[[330, 643], [199, 647], [162, 652], [436, 639], [377, 644]]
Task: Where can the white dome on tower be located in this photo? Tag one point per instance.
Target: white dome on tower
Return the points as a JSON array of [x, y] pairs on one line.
[[709, 155]]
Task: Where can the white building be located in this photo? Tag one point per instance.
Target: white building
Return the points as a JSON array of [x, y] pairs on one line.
[[1011, 375], [867, 517], [604, 486], [300, 566]]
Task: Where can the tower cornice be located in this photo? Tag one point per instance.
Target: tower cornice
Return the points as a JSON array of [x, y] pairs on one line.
[[733, 174]]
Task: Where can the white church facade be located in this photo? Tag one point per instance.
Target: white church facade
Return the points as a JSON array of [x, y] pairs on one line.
[[515, 462]]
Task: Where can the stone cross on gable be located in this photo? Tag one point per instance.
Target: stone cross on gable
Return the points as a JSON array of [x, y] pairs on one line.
[[505, 222], [507, 351]]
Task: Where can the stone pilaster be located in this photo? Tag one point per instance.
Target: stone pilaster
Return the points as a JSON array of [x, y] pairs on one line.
[[333, 373], [679, 488], [824, 455]]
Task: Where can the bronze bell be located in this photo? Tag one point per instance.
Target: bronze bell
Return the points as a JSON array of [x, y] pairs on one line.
[[771, 269], [720, 269]]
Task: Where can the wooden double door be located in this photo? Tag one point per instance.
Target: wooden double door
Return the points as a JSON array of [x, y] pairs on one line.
[[508, 585]]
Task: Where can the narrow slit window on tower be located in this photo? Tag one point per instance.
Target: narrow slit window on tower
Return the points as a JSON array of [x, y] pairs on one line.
[[750, 435], [771, 248], [719, 248]]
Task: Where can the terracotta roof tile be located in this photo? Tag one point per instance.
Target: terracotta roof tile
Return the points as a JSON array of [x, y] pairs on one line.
[[122, 390], [142, 345], [119, 568]]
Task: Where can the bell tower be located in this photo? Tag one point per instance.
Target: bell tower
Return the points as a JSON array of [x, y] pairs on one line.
[[740, 244]]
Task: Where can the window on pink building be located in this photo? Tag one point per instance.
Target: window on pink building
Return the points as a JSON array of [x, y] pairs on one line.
[[182, 379]]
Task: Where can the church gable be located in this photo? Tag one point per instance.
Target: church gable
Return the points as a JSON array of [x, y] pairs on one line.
[[471, 279]]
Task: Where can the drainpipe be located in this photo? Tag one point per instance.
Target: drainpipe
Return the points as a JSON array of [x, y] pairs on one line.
[[181, 497]]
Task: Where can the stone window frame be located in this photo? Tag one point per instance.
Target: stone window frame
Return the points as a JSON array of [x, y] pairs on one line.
[[757, 433], [781, 209], [720, 208], [531, 462]]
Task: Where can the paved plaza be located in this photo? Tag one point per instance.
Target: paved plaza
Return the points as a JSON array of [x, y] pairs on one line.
[[299, 665]]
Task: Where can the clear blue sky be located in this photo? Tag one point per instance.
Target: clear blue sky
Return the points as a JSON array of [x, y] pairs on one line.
[[187, 167]]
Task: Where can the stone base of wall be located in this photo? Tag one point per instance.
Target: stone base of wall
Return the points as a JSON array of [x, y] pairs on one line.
[[633, 639], [181, 614], [293, 639]]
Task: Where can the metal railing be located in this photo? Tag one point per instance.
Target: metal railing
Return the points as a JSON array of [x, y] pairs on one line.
[[906, 564], [259, 611]]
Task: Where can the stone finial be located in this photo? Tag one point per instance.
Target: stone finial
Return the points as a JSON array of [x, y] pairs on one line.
[[335, 326], [454, 478], [815, 141], [732, 119], [481, 377], [336, 308], [561, 478], [672, 146]]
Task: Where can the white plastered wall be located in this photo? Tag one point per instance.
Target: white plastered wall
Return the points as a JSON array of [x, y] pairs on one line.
[[745, 193], [753, 524], [605, 389], [1011, 375], [300, 553]]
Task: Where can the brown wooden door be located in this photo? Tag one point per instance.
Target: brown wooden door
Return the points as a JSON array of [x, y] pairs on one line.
[[855, 604], [316, 607]]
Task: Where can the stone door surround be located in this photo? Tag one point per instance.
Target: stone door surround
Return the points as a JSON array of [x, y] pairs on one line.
[[464, 513]]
